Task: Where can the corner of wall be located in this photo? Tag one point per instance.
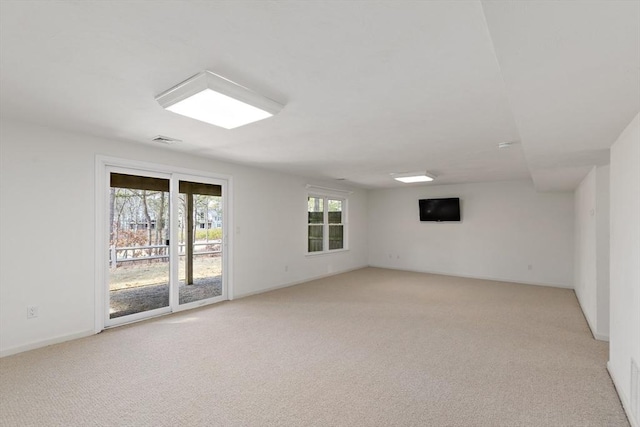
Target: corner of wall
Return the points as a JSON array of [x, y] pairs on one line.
[[626, 404]]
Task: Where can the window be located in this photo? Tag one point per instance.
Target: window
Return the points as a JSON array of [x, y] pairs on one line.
[[326, 224]]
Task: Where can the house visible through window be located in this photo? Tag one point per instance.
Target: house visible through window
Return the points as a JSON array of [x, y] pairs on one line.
[[326, 223]]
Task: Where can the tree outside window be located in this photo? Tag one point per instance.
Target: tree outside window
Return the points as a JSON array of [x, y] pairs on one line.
[[326, 223]]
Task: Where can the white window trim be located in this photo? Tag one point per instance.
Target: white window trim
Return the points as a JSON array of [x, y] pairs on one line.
[[325, 225]]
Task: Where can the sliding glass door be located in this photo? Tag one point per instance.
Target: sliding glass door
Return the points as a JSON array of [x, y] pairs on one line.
[[139, 254], [200, 241], [166, 243]]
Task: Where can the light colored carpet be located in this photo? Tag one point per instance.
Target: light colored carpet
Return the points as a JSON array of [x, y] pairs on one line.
[[372, 347]]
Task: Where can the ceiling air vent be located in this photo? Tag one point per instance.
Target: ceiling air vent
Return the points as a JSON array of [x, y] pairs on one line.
[[506, 144], [165, 139]]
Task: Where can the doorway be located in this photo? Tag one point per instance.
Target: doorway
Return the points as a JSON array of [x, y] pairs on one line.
[[166, 243]]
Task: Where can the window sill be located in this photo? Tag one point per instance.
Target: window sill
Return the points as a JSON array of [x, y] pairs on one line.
[[314, 254]]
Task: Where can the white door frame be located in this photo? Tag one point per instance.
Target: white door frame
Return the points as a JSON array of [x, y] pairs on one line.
[[175, 297], [108, 322], [104, 165]]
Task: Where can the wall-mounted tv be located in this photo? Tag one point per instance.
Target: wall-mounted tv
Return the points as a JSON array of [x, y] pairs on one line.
[[440, 209]]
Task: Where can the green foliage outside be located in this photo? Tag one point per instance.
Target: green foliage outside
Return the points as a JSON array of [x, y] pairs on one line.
[[214, 234]]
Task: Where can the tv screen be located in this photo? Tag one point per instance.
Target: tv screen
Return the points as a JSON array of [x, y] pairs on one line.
[[440, 209]]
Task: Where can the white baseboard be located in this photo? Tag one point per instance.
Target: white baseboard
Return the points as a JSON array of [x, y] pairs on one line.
[[623, 398], [466, 276], [597, 336], [68, 337], [44, 343], [601, 337], [297, 282]]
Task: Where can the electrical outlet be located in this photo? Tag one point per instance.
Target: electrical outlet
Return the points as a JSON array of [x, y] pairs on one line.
[[32, 311], [530, 267], [286, 268]]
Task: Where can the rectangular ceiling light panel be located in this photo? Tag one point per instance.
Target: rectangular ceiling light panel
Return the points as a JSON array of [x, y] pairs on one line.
[[410, 178], [213, 99]]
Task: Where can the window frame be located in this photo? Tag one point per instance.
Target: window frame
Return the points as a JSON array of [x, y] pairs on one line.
[[325, 223]]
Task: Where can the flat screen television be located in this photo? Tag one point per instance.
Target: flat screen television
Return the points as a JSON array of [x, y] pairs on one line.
[[440, 209]]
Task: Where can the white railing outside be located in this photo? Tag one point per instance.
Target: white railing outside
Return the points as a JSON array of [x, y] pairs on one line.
[[128, 253]]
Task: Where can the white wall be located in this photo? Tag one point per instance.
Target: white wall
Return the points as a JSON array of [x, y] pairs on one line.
[[602, 249], [624, 344], [585, 280], [591, 277], [47, 177], [506, 227]]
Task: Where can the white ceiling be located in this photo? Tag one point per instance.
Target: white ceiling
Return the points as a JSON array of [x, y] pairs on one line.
[[371, 88]]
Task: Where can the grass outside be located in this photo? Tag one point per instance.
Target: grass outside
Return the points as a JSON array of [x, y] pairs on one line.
[[146, 273]]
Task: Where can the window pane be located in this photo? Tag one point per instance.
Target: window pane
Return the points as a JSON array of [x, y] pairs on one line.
[[200, 241], [336, 238], [316, 210], [139, 249], [315, 238], [335, 217], [335, 211]]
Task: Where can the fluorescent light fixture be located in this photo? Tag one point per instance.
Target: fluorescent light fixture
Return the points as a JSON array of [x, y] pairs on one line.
[[411, 177], [213, 99]]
